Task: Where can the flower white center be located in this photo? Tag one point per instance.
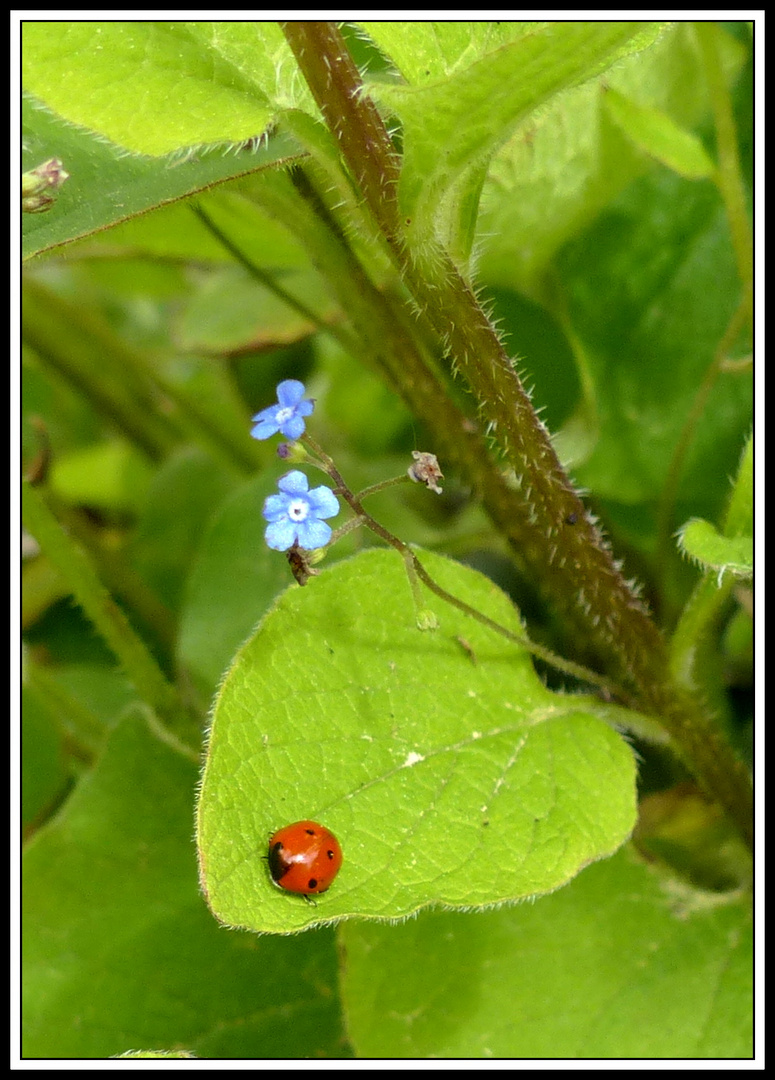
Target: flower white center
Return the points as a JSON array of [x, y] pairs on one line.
[[283, 414], [298, 509]]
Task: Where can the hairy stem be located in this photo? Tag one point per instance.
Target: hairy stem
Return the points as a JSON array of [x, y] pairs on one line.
[[558, 539], [76, 568]]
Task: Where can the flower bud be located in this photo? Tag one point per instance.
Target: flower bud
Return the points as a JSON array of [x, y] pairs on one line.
[[425, 470], [40, 185]]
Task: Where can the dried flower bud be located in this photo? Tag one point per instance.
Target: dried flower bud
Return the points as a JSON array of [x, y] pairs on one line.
[[425, 470], [299, 562]]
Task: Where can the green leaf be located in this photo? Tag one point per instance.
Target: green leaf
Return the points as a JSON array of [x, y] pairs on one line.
[[232, 312], [184, 495], [174, 232], [426, 53], [616, 965], [109, 476], [43, 773], [107, 185], [115, 932], [448, 772], [739, 517], [659, 136], [568, 160], [651, 315], [453, 123], [733, 550], [703, 542], [153, 87], [232, 583]]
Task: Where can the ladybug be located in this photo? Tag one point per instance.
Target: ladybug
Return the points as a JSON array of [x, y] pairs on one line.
[[304, 858]]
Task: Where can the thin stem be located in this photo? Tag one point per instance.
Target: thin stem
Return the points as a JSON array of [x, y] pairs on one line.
[[374, 488], [85, 352], [740, 318], [729, 176], [345, 339], [415, 567], [132, 394], [347, 527]]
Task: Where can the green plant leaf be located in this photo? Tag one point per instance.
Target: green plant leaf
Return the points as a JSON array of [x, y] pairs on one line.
[[115, 931], [568, 160], [616, 965], [659, 136], [232, 312], [174, 232], [153, 87], [739, 516], [108, 475], [453, 123], [232, 583], [43, 765], [703, 542], [449, 773], [185, 494], [651, 317], [107, 185]]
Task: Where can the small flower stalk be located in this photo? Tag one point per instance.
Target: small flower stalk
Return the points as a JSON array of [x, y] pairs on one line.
[[297, 519], [297, 515]]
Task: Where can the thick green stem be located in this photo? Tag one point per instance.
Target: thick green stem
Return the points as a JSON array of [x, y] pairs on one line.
[[75, 567], [557, 539]]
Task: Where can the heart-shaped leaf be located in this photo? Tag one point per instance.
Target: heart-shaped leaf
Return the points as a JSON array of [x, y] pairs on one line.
[[448, 772]]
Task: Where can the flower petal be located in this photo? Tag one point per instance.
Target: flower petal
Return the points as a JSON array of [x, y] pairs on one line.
[[323, 502], [290, 392], [265, 414], [293, 483], [313, 534], [280, 535], [275, 507], [266, 426], [293, 428]]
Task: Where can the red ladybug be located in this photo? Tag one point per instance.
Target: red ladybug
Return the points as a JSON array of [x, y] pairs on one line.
[[304, 858]]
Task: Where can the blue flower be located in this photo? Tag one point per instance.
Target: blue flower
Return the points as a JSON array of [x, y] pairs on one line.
[[295, 515], [287, 416]]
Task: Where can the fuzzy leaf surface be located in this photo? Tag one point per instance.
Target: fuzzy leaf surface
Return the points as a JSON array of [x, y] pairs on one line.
[[449, 773]]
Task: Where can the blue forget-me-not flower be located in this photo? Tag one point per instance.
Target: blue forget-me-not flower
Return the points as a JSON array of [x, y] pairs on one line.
[[287, 416], [295, 514]]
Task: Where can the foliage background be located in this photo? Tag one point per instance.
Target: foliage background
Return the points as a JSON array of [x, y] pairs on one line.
[[603, 252]]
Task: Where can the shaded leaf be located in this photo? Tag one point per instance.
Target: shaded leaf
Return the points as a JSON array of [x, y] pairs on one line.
[[615, 965]]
